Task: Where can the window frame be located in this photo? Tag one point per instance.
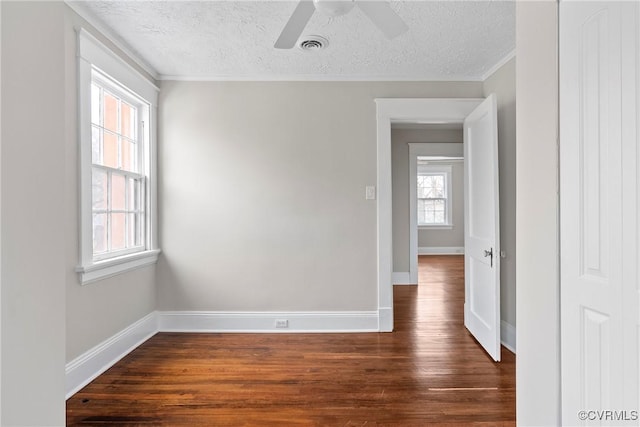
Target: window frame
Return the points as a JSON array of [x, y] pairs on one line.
[[446, 170], [92, 54], [116, 90]]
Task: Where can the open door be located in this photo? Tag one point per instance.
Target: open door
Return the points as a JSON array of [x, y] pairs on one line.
[[482, 227]]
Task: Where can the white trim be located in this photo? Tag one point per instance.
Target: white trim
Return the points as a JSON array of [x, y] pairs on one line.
[[257, 322], [385, 319], [91, 53], [403, 278], [441, 250], [79, 8], [113, 266], [318, 77], [436, 227], [97, 53], [508, 336], [498, 65], [86, 367], [389, 110], [0, 221]]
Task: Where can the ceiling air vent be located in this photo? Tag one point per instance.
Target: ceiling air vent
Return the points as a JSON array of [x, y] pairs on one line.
[[313, 43]]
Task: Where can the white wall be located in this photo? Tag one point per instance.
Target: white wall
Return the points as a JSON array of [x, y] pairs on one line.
[[270, 178], [537, 299], [400, 138], [503, 84], [34, 205], [98, 310], [47, 317]]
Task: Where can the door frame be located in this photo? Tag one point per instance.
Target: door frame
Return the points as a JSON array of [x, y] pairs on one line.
[[451, 150], [402, 110]]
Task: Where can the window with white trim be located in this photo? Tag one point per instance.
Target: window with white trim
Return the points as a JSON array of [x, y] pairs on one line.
[[117, 108], [118, 119], [434, 195]]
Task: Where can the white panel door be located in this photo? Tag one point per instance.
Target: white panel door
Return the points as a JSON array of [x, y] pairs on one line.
[[482, 227], [599, 185]]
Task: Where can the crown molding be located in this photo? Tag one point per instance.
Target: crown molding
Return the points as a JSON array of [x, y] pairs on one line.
[[318, 78], [508, 57], [79, 8]]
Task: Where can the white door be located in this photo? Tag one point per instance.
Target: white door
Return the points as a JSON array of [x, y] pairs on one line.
[[482, 227], [599, 187]]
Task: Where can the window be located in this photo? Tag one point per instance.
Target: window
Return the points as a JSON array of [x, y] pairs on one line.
[[118, 121], [117, 171], [434, 195]]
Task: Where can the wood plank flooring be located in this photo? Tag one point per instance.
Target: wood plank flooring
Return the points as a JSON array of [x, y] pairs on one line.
[[429, 371]]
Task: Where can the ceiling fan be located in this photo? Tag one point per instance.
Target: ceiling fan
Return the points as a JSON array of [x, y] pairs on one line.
[[379, 12]]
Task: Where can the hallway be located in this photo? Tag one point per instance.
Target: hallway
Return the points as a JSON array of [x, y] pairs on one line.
[[456, 372], [429, 371]]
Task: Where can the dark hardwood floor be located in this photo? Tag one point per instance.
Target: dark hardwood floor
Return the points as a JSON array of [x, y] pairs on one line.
[[428, 371]]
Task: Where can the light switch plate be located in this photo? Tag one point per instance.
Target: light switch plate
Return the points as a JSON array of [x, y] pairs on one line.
[[370, 193]]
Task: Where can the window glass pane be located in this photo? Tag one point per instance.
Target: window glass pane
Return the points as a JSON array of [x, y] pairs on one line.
[[436, 184], [129, 156], [438, 211], [117, 192], [99, 233], [421, 212], [99, 189], [133, 194], [110, 112], [140, 224], [131, 230], [128, 120], [95, 145], [134, 229], [110, 150], [431, 186], [118, 230], [431, 211], [95, 104]]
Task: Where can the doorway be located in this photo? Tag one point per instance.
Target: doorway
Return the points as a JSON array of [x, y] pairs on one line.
[[436, 229], [481, 207], [425, 111]]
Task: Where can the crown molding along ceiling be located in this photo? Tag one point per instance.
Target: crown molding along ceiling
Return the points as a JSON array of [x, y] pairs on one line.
[[234, 40]]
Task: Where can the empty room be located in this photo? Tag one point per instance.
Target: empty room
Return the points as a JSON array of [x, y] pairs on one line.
[[314, 212]]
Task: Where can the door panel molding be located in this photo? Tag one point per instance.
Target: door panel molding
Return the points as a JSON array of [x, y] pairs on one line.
[[599, 213], [482, 226]]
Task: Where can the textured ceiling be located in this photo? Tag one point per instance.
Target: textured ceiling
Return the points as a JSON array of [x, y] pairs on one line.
[[234, 39]]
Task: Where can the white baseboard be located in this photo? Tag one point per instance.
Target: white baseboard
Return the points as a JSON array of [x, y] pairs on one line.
[[86, 367], [402, 278], [220, 321], [441, 250], [508, 336]]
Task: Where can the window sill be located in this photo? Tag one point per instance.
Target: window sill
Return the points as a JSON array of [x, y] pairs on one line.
[[436, 227], [99, 270]]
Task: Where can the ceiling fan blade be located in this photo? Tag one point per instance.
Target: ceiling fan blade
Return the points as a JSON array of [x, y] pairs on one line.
[[295, 26], [383, 17]]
